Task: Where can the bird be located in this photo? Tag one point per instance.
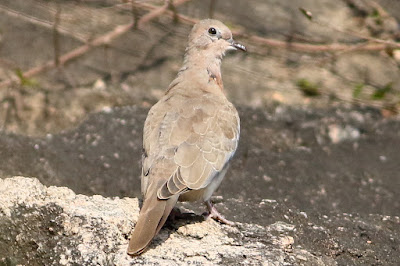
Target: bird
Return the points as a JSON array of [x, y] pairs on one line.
[[189, 135]]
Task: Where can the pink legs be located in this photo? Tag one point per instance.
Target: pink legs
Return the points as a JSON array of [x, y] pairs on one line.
[[213, 213]]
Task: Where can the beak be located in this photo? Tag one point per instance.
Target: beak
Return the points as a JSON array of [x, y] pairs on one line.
[[237, 46]]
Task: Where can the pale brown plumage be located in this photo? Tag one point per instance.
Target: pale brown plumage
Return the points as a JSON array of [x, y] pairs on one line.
[[189, 135]]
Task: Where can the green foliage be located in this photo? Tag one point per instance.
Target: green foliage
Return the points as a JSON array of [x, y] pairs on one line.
[[306, 13], [376, 16], [25, 81], [381, 92], [308, 88], [358, 89]]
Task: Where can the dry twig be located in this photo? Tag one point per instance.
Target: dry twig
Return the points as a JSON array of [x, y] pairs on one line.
[[36, 21], [372, 44], [102, 40], [301, 47]]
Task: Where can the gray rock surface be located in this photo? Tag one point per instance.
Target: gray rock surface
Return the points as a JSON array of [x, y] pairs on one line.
[[42, 225], [341, 159], [306, 188], [333, 175], [55, 226]]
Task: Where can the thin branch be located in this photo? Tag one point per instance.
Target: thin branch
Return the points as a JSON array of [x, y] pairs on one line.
[[182, 18], [102, 40], [157, 11], [296, 46], [56, 36], [36, 21], [322, 23], [135, 14], [211, 8], [313, 48], [172, 7]]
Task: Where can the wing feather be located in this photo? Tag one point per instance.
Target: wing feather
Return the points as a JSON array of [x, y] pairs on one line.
[[197, 139]]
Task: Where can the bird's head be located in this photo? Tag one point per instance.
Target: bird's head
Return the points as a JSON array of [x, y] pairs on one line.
[[213, 36]]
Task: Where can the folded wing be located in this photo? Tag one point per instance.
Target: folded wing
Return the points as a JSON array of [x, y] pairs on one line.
[[198, 139]]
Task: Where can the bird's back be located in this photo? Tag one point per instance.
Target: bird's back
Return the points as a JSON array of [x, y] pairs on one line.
[[189, 133]]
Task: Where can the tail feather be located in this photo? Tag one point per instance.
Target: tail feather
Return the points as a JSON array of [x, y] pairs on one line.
[[152, 217]]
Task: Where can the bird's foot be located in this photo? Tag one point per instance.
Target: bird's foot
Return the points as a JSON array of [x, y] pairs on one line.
[[213, 213]]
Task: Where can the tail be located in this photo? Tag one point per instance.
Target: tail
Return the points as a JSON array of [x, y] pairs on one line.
[[152, 217]]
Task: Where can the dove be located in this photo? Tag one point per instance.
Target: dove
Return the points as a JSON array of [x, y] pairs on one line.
[[189, 136]]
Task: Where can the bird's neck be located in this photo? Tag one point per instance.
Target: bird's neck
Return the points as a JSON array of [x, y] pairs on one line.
[[201, 69]]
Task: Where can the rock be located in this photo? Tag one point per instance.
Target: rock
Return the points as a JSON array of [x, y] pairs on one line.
[[287, 153], [396, 56], [338, 134], [42, 225], [99, 85], [54, 226]]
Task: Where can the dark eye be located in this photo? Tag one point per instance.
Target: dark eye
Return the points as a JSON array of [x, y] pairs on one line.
[[212, 31]]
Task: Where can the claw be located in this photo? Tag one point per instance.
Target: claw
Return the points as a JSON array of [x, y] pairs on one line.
[[213, 213]]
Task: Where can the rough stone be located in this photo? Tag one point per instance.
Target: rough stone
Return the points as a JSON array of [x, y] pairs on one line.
[[55, 226], [340, 159], [42, 225]]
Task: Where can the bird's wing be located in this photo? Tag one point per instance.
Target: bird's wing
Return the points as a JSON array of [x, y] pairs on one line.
[[197, 136]]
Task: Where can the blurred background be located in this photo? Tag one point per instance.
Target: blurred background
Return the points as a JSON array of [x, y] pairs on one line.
[[61, 60]]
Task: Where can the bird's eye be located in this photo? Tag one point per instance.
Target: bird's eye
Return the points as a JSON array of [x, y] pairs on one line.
[[212, 31]]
